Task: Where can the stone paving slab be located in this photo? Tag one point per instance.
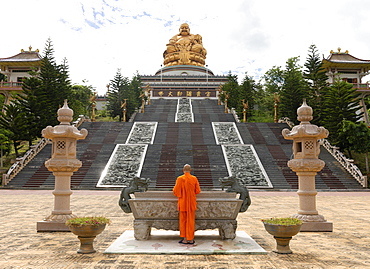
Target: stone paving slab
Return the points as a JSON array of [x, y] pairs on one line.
[[348, 246], [166, 242]]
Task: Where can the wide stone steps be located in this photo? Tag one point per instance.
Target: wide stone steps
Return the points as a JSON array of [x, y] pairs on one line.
[[176, 144], [165, 163], [163, 110]]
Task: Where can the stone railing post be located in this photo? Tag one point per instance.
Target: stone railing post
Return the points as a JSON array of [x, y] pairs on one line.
[[306, 164], [63, 163]]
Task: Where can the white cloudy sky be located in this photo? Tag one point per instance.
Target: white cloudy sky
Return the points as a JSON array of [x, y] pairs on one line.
[[99, 36]]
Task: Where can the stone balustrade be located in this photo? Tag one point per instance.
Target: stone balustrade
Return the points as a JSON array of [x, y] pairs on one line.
[[345, 162]]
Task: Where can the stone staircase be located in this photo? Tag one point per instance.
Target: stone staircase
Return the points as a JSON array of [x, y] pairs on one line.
[[177, 143]]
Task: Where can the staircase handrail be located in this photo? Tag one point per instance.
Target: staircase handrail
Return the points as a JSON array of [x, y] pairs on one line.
[[287, 121], [81, 119], [345, 162], [21, 162], [236, 117]]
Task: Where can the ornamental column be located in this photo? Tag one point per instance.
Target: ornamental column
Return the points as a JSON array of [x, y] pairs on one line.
[[306, 164], [63, 163]]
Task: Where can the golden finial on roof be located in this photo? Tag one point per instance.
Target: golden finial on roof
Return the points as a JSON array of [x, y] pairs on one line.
[[346, 52], [332, 51], [37, 50], [22, 50], [30, 48], [339, 49]]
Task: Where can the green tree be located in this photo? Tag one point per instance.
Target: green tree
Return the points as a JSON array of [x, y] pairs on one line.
[[45, 91], [272, 84], [2, 101], [116, 95], [5, 142], [121, 89], [264, 103], [341, 102], [55, 84], [273, 80], [247, 92], [133, 94], [79, 100], [14, 120], [294, 89], [316, 78], [32, 103], [357, 136], [231, 90], [2, 77]]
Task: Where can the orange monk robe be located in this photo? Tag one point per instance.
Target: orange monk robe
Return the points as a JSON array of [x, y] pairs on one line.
[[186, 188]]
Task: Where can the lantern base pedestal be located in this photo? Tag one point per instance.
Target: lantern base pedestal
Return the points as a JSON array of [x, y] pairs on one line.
[[314, 223], [323, 226], [54, 223], [51, 226]]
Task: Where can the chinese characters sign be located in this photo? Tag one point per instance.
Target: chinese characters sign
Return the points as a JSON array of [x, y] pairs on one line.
[[184, 93]]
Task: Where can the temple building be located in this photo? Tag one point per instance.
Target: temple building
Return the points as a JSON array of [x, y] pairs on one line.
[[184, 73], [346, 67], [16, 68]]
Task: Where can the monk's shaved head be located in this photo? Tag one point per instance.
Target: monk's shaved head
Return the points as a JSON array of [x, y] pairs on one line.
[[187, 168]]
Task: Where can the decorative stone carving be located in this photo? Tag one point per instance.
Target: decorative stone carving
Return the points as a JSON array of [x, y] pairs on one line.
[[306, 149], [184, 117], [227, 229], [158, 209], [142, 228], [63, 163], [142, 133], [226, 133], [184, 106], [127, 159], [306, 165], [155, 209], [310, 218], [184, 111], [235, 186], [243, 163], [136, 185], [125, 163], [216, 210], [241, 160]]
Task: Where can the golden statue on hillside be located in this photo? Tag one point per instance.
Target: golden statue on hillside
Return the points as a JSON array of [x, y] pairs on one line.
[[185, 49]]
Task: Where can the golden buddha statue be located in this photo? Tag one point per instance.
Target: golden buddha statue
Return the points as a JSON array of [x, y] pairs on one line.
[[185, 49]]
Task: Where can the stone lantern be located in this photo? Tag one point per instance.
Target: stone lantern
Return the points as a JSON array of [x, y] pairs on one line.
[[306, 164], [63, 163]]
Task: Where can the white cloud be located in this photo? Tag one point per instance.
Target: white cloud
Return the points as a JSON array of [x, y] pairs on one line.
[[99, 36]]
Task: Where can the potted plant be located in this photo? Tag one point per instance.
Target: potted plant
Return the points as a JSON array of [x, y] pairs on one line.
[[87, 228], [283, 229]]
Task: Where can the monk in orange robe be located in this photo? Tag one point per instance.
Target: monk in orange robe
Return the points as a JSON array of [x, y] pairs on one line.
[[186, 188]]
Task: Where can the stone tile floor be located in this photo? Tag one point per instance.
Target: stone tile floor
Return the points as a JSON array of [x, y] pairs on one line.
[[166, 242], [348, 246]]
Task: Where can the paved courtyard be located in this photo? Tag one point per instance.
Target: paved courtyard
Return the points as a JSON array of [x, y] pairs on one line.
[[348, 246]]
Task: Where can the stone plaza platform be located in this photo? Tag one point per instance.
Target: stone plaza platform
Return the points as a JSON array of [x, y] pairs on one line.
[[348, 246]]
